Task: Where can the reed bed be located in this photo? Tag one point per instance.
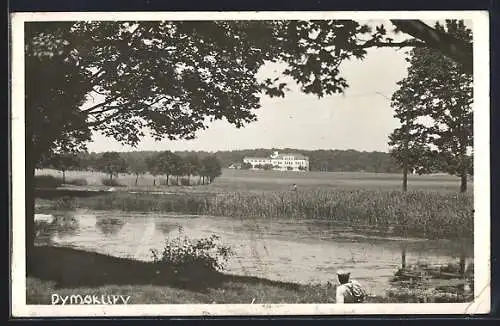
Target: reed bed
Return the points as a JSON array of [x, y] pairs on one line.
[[418, 213]]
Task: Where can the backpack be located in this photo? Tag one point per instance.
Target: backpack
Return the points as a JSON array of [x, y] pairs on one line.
[[357, 292]]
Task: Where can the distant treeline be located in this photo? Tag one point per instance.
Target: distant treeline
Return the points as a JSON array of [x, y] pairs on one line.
[[319, 160]]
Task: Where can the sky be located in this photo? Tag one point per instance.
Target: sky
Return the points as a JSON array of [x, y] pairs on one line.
[[360, 119]]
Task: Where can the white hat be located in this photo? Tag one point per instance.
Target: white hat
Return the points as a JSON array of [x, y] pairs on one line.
[[343, 272]]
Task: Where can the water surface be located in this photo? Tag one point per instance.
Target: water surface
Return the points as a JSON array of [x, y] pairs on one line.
[[291, 250]]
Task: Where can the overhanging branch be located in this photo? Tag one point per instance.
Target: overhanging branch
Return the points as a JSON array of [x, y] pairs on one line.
[[452, 47], [405, 43]]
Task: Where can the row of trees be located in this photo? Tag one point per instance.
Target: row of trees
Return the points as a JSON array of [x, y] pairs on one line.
[[159, 164], [434, 105]]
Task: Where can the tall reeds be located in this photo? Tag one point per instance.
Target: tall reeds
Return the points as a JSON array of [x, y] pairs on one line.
[[419, 213]]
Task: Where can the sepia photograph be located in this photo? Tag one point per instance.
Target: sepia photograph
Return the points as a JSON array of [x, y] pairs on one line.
[[250, 163]]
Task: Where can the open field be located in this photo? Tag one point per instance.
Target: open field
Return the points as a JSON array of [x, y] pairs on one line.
[[258, 181]]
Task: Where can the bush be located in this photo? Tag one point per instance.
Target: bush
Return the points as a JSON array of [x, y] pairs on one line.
[[185, 182], [183, 253], [47, 181], [111, 182], [78, 182]]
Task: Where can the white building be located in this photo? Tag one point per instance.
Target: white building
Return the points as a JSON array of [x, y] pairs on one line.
[[279, 162]]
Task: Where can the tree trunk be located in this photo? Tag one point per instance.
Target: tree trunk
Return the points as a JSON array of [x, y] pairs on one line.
[[30, 207], [462, 264], [136, 179], [405, 177], [463, 181], [403, 258], [177, 179], [111, 176], [167, 179], [154, 181], [189, 179], [64, 176]]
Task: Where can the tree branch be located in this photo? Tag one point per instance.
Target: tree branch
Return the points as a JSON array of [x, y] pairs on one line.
[[106, 119], [98, 105], [402, 44], [458, 50]]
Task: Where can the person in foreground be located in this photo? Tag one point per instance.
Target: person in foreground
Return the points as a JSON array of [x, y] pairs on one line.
[[349, 291]]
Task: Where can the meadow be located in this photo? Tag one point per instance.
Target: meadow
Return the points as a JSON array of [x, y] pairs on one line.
[[259, 181]]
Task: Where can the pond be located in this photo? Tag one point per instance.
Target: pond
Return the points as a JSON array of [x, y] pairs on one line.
[[286, 250]]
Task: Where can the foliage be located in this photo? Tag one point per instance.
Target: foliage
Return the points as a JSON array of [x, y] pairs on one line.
[[78, 182], [136, 165], [164, 163], [435, 89], [56, 86], [211, 167], [111, 182], [47, 181], [111, 163], [63, 161], [192, 164], [183, 253]]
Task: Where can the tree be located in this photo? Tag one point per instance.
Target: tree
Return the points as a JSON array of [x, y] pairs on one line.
[[437, 89], [174, 78], [178, 167], [246, 166], [211, 168], [137, 165], [192, 166], [111, 163], [153, 168], [64, 162]]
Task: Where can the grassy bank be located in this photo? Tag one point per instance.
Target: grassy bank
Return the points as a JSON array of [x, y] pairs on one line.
[[82, 272], [417, 213]]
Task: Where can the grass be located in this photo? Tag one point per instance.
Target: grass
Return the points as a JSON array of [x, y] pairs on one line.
[[250, 181], [417, 213], [82, 272]]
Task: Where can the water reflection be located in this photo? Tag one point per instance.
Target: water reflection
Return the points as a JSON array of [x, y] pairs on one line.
[[49, 226], [109, 225], [166, 227]]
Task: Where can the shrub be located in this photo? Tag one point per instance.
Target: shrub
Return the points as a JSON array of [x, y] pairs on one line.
[[111, 182], [78, 182], [47, 181], [183, 253], [185, 182]]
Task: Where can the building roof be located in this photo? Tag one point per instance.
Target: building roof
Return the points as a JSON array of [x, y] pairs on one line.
[[279, 157], [296, 155], [256, 158]]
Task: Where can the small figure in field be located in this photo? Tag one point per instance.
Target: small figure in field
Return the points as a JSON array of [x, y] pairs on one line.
[[294, 187], [349, 291]]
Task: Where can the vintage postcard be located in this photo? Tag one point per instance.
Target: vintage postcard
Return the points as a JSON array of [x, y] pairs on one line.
[[250, 163]]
